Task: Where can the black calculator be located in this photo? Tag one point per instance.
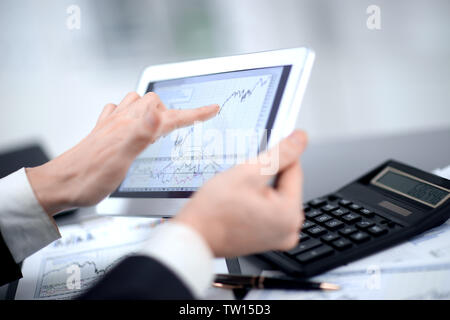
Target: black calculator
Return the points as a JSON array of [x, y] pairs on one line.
[[386, 206]]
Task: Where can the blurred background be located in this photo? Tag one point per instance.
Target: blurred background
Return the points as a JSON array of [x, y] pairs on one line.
[[55, 81]]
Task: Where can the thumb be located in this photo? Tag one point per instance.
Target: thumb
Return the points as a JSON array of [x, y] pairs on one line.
[[283, 154]]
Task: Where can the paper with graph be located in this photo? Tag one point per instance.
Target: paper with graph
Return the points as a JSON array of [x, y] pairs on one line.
[[416, 269], [92, 247]]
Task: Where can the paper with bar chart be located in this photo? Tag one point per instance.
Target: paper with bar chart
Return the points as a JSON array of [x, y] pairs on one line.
[[91, 249], [188, 157]]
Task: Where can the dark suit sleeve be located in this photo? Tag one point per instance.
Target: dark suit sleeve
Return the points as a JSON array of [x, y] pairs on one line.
[[9, 269], [138, 277]]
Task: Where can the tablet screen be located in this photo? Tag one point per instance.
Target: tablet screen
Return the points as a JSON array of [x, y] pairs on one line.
[[178, 164]]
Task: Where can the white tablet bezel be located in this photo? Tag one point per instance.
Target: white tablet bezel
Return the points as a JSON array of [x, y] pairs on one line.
[[300, 60]]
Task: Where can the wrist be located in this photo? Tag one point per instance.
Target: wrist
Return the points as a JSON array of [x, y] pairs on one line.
[[183, 250], [208, 229], [51, 187]]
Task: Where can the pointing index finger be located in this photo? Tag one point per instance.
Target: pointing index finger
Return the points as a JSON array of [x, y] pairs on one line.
[[186, 117]]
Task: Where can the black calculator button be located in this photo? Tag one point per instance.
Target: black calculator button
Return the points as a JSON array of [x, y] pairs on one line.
[[377, 230], [313, 213], [351, 217], [330, 237], [339, 212], [328, 208], [354, 207], [366, 213], [391, 225], [306, 208], [316, 231], [303, 237], [302, 247], [314, 254], [359, 237], [334, 224], [347, 231], [364, 224], [308, 224], [333, 197], [345, 202], [316, 203], [323, 218], [341, 244]]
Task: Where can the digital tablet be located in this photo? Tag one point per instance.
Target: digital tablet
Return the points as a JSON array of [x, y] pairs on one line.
[[259, 95]]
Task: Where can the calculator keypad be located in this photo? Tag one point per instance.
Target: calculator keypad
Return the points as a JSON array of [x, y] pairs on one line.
[[341, 244], [333, 225], [377, 230]]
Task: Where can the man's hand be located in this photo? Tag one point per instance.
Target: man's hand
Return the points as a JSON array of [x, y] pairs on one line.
[[238, 213], [94, 168]]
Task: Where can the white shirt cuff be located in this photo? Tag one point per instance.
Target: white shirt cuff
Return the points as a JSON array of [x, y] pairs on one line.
[[185, 252], [24, 225]]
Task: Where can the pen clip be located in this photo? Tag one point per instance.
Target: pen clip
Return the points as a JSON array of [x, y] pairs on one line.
[[227, 286]]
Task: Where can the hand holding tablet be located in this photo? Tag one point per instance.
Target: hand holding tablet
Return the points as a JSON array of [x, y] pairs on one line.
[[237, 213]]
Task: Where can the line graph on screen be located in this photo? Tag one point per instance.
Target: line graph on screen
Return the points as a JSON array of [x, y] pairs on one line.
[[243, 106]]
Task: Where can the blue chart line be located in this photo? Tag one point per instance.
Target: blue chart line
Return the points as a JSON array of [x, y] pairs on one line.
[[243, 94], [184, 172], [240, 96]]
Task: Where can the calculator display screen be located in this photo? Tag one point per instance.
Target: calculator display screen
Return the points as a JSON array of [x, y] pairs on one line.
[[411, 187]]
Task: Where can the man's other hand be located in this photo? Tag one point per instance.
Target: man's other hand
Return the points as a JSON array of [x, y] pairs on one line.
[[237, 212]]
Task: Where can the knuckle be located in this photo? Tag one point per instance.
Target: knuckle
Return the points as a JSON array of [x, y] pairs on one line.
[[155, 124], [293, 220], [133, 94], [296, 223], [153, 97], [148, 129], [165, 124], [287, 222], [289, 242], [140, 134], [157, 119]]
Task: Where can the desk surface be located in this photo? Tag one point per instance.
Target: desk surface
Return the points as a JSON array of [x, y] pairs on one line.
[[328, 166]]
